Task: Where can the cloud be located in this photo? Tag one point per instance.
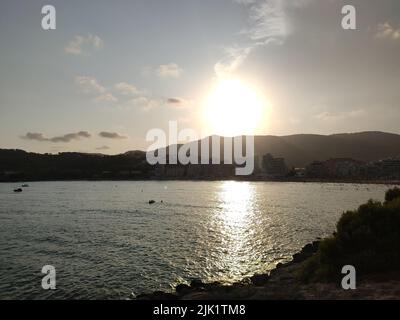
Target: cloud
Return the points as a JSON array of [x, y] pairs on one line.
[[178, 102], [387, 31], [330, 116], [34, 136], [89, 85], [234, 57], [64, 139], [268, 24], [111, 135], [175, 101], [145, 103], [125, 94], [71, 136], [268, 21], [171, 70], [126, 89], [82, 45], [103, 148], [107, 97]]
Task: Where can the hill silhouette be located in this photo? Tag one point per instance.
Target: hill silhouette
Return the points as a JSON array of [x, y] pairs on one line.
[[301, 149], [298, 151]]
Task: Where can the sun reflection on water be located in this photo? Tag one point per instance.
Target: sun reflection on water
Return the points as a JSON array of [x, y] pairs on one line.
[[236, 202], [235, 219]]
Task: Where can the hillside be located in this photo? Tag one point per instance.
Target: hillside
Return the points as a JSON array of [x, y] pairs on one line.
[[298, 150], [21, 165]]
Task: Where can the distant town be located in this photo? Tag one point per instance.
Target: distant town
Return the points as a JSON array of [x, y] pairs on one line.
[[269, 167], [18, 165]]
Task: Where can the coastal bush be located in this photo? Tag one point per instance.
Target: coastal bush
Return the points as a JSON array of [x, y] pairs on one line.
[[392, 194], [367, 238]]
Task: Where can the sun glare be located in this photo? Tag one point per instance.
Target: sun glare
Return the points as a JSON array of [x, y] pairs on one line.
[[233, 108]]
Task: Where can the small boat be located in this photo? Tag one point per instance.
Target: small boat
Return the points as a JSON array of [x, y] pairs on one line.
[[18, 190], [25, 186], [152, 202]]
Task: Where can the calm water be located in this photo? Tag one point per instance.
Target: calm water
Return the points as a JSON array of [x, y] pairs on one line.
[[107, 242]]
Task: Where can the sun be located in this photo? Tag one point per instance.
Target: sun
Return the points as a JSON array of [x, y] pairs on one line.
[[233, 108]]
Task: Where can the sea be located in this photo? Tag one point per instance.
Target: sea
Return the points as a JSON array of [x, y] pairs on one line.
[[106, 241]]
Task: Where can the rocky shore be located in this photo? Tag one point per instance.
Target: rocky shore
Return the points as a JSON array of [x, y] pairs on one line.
[[283, 283]]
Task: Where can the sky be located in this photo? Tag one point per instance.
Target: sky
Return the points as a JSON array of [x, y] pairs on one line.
[[113, 70]]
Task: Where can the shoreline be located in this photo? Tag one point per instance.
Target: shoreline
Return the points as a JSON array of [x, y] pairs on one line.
[[282, 283], [247, 288], [325, 181]]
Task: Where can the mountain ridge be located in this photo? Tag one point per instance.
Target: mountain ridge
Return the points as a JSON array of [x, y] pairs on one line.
[[297, 149]]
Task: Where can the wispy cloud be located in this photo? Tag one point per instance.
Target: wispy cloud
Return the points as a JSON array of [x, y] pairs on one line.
[[126, 89], [234, 57], [145, 103], [111, 135], [178, 102], [175, 101], [268, 24], [106, 97], [125, 94], [337, 116], [387, 31], [64, 138], [83, 45], [89, 85], [170, 70]]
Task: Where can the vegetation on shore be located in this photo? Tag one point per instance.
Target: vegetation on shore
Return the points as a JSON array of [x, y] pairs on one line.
[[18, 165], [367, 238]]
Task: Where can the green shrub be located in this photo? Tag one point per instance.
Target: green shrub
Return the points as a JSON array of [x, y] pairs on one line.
[[367, 238], [392, 194]]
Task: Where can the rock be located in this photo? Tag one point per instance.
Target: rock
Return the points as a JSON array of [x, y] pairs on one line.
[[299, 257], [212, 285], [244, 282], [316, 245], [197, 295], [307, 251], [280, 283], [157, 295], [308, 248], [182, 289], [197, 284], [259, 279]]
